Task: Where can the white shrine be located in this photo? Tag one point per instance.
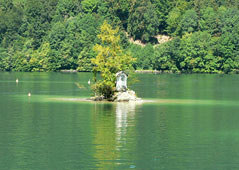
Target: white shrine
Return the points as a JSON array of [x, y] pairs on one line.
[[121, 81]]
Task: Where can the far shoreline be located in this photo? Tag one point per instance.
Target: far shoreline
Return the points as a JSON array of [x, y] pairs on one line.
[[136, 71], [153, 72]]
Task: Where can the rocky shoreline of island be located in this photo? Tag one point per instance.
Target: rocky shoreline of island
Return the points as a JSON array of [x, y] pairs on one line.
[[126, 96]]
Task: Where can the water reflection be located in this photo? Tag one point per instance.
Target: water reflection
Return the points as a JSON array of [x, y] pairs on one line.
[[124, 113], [114, 124]]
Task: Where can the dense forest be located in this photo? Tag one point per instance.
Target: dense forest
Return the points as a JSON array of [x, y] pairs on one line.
[[52, 35]]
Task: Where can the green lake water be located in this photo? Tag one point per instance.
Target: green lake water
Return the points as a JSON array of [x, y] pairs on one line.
[[191, 123]]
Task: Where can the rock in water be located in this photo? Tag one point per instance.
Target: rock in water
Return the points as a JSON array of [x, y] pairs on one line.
[[125, 96]]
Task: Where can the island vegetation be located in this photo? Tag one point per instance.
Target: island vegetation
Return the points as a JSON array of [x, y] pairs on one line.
[[53, 35], [110, 60]]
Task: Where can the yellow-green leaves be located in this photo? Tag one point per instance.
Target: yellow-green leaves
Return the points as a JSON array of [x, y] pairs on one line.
[[109, 60]]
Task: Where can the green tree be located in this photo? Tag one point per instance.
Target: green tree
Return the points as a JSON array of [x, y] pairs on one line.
[[66, 9], [89, 6], [229, 19], [228, 50], [209, 21], [166, 56], [227, 45], [37, 19], [162, 8], [143, 20], [144, 56], [5, 63], [10, 21], [174, 16], [116, 11], [109, 60], [73, 41], [188, 23], [173, 20], [44, 59], [194, 51]]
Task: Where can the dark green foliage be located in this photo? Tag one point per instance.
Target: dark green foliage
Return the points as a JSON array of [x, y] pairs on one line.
[[66, 9], [143, 20], [162, 8], [10, 20], [144, 56], [228, 50], [37, 19], [166, 56], [90, 6], [5, 64], [74, 39], [229, 19], [40, 35], [188, 23], [193, 50], [210, 21]]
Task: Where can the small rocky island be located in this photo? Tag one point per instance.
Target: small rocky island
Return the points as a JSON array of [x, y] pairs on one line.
[[122, 94]]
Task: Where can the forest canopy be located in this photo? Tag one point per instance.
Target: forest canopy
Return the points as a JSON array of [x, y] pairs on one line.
[[53, 35]]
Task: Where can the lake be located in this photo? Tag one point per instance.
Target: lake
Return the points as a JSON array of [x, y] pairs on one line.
[[191, 123]]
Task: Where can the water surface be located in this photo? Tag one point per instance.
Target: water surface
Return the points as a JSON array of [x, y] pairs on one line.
[[192, 123]]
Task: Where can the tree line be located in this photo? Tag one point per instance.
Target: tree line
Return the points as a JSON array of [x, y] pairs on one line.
[[39, 35]]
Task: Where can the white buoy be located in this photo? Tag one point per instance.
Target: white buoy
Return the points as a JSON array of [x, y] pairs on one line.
[[17, 81], [29, 94], [89, 81]]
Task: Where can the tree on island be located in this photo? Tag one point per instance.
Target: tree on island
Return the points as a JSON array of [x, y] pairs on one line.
[[110, 59]]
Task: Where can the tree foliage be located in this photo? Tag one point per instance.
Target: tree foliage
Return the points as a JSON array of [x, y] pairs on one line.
[[143, 20], [110, 59], [203, 34]]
